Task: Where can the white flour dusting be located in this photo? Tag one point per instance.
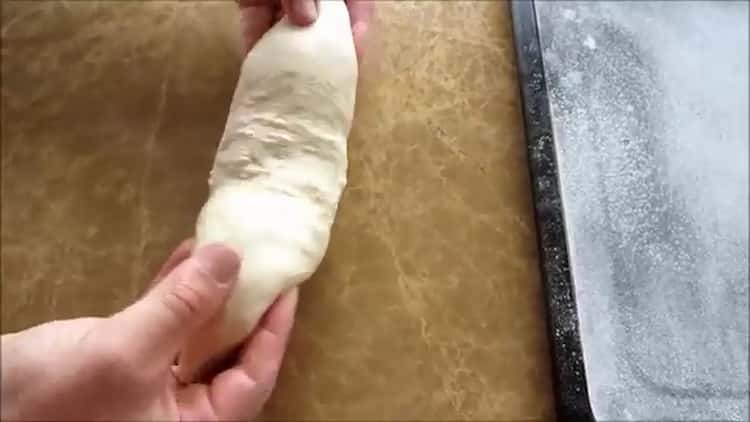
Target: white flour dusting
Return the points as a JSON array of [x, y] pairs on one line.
[[590, 42], [650, 114]]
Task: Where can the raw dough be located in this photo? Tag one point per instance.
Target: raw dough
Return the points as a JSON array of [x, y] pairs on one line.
[[279, 171]]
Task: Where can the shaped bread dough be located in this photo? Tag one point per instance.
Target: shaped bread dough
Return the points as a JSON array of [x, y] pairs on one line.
[[279, 171]]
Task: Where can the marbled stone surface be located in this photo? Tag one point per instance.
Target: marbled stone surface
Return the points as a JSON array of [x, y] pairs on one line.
[[429, 303]]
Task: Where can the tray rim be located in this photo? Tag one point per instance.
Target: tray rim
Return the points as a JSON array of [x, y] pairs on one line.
[[563, 327]]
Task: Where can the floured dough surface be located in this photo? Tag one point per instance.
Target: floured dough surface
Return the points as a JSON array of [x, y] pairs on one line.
[[279, 171]]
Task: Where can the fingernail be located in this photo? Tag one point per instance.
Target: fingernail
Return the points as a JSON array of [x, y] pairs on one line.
[[220, 262], [359, 29], [307, 9]]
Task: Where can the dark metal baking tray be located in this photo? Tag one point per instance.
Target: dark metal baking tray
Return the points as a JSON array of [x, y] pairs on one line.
[[636, 121]]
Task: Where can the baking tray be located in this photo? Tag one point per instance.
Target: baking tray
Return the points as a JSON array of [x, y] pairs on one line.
[[562, 323], [636, 122]]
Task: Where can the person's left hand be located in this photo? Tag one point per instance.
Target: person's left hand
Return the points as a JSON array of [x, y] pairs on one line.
[[257, 17], [120, 368]]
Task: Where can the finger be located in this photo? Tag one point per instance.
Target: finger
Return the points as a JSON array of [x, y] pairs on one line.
[[360, 11], [158, 324], [240, 392], [181, 253], [279, 319], [194, 403], [255, 20], [361, 14], [359, 33], [301, 12]]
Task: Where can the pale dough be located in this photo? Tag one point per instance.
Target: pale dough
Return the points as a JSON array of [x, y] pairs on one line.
[[279, 171]]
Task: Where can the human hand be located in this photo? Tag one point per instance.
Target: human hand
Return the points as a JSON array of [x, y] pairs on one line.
[[120, 368], [257, 17]]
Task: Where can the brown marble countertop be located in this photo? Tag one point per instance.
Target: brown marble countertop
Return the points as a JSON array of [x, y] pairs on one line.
[[429, 303]]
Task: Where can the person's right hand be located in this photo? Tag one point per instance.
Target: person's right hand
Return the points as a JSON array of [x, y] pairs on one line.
[[257, 17], [121, 367]]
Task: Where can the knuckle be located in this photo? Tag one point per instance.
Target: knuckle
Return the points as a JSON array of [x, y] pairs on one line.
[[183, 301], [189, 294]]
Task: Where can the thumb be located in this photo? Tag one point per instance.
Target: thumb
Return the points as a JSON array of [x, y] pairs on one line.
[[159, 323]]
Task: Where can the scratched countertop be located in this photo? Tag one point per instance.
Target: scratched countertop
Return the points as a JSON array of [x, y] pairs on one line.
[[429, 303]]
